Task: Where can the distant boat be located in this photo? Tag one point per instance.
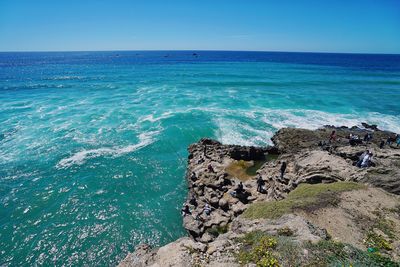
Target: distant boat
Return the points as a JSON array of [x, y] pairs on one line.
[[194, 54]]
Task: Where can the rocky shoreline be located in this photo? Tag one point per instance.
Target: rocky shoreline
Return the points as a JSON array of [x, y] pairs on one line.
[[211, 213]]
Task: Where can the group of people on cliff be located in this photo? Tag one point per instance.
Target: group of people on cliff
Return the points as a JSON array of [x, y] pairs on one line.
[[355, 139]]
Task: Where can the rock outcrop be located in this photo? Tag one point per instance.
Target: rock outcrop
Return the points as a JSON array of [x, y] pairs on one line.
[[216, 173]]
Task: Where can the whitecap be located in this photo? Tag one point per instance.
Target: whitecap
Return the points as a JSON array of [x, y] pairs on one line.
[[313, 119], [152, 119], [145, 139], [237, 131]]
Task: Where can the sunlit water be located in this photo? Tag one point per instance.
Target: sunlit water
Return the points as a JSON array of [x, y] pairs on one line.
[[93, 145]]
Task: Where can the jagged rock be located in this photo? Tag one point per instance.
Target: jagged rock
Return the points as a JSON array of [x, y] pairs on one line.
[[195, 227], [207, 237], [223, 203], [238, 208], [310, 158], [368, 126], [216, 218]]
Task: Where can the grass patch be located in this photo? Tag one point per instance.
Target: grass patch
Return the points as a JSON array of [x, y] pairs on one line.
[[375, 240], [305, 196], [258, 248], [331, 253], [264, 250], [386, 226]]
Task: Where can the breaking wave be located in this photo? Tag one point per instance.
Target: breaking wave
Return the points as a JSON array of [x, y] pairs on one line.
[[81, 157]]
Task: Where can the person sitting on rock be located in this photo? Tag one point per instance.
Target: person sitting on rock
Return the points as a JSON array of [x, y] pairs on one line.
[[361, 158], [382, 144], [260, 183], [193, 201], [367, 137], [332, 137], [193, 177], [283, 169], [186, 211], [239, 189], [354, 140], [207, 209], [389, 141], [366, 161], [210, 168]]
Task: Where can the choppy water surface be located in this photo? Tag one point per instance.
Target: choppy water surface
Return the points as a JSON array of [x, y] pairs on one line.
[[93, 145]]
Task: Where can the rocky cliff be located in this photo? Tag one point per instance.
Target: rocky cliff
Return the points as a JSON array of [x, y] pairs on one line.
[[241, 210]]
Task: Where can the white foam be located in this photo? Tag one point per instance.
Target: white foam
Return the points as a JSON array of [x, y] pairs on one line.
[[236, 131], [152, 119], [81, 157], [230, 131], [313, 119]]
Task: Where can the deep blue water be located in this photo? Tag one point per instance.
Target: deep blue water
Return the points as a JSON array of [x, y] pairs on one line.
[[93, 144]]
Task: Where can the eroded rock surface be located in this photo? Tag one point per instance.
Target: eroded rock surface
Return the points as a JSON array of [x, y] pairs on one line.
[[310, 158]]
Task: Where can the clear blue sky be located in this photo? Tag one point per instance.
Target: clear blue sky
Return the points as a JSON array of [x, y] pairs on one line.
[[363, 26]]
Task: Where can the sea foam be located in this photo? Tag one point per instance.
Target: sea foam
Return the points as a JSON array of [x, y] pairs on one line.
[[81, 157]]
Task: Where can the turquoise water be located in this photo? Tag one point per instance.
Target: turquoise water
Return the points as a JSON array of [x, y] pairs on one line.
[[93, 145]]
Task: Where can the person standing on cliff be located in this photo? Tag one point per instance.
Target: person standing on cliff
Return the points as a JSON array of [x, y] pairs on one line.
[[186, 211], [260, 183], [283, 169]]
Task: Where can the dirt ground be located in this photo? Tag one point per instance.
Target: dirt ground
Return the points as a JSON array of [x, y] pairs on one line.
[[358, 213]]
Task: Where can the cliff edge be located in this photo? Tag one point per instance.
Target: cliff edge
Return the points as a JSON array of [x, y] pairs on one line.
[[243, 208]]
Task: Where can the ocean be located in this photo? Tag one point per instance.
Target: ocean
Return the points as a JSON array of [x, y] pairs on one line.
[[93, 145]]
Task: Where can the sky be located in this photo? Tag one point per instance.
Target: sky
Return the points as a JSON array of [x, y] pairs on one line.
[[350, 26]]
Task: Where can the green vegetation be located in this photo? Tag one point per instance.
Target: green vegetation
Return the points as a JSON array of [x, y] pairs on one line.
[[375, 240], [386, 226], [331, 253], [265, 250], [258, 248], [305, 196]]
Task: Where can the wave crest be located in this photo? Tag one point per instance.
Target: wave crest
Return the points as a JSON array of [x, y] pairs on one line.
[[81, 157]]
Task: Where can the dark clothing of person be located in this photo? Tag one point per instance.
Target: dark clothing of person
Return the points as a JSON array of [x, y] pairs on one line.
[[239, 188], [193, 177], [193, 201], [260, 183], [382, 144], [210, 168], [186, 211], [389, 141], [283, 169]]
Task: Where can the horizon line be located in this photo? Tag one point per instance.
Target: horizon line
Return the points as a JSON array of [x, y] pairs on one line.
[[193, 50]]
